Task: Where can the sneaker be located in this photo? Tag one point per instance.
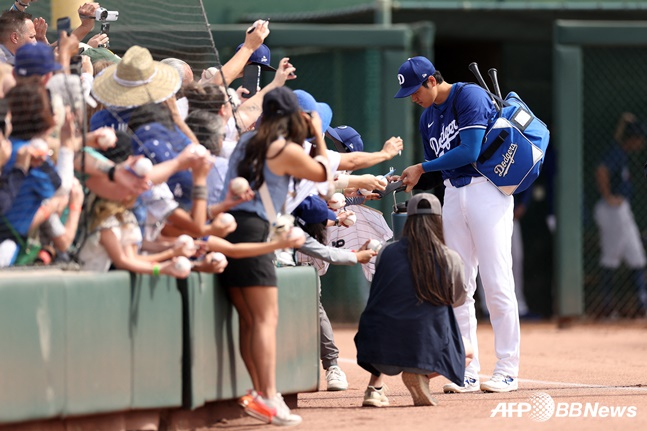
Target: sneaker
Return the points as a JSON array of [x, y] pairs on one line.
[[336, 379], [272, 410], [471, 385], [418, 385], [247, 398], [258, 408], [500, 383], [282, 415], [374, 397]]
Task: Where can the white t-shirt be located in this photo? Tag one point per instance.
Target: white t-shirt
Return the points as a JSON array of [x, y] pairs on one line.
[[159, 203], [306, 188], [94, 257]]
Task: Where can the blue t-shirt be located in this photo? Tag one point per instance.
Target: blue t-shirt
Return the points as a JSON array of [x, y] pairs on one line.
[[161, 144], [617, 163], [118, 120], [440, 130], [39, 184]]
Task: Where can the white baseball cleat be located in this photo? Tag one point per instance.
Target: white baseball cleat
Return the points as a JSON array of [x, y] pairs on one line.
[[471, 385], [500, 383]]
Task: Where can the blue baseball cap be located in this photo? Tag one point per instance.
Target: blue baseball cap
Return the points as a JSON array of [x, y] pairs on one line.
[[261, 57], [313, 210], [309, 103], [346, 139], [35, 59], [412, 74]]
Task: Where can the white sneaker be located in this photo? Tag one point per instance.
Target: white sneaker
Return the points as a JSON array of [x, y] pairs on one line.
[[500, 383], [336, 379], [374, 397], [471, 385], [282, 416]]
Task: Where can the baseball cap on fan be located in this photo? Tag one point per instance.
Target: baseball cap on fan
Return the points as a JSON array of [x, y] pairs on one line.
[[35, 59], [434, 205], [308, 103], [261, 57], [346, 139], [412, 74], [313, 210]]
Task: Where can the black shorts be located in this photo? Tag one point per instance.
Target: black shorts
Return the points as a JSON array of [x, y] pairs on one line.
[[249, 271]]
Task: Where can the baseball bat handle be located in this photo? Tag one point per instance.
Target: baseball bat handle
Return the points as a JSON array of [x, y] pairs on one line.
[[494, 77], [474, 68]]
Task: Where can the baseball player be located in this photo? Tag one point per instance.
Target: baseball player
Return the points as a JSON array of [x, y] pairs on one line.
[[620, 238], [477, 217]]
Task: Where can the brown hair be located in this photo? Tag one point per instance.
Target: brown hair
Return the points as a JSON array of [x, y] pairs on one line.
[[291, 127], [427, 257], [12, 21], [31, 111]]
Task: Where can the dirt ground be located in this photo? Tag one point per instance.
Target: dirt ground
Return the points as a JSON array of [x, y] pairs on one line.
[[595, 376]]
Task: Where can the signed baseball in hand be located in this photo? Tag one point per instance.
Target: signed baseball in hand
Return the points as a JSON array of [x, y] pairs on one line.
[[226, 219], [215, 257], [143, 166], [182, 264], [374, 245], [350, 220], [107, 138], [239, 186], [296, 233], [337, 201], [185, 241]]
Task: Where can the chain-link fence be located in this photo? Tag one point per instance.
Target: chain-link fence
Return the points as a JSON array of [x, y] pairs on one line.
[[615, 191]]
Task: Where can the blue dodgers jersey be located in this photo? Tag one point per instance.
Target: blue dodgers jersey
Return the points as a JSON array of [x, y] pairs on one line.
[[440, 130]]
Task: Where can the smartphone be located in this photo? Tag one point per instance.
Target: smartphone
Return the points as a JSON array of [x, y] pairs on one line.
[[251, 79], [64, 24], [105, 29]]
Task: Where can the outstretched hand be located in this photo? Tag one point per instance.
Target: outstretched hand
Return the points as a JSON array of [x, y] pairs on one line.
[[411, 175]]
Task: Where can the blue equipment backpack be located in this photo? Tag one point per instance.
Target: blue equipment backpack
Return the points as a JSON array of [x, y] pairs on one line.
[[514, 145]]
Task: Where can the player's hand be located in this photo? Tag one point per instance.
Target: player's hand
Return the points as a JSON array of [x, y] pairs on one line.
[[393, 147], [411, 175]]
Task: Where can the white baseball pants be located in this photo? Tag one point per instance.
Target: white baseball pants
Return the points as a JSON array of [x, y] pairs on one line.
[[477, 221]]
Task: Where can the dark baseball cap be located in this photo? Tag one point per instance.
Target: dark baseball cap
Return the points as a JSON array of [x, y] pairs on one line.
[[412, 74], [313, 210], [261, 57], [434, 205], [35, 59], [280, 102], [346, 139]]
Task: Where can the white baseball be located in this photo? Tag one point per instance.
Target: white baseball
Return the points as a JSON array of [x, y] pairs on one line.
[[382, 179], [199, 150], [374, 245], [226, 219], [182, 264], [365, 192], [185, 241], [296, 233], [143, 166], [337, 201], [350, 220], [39, 146], [107, 138], [239, 186], [215, 257], [210, 72]]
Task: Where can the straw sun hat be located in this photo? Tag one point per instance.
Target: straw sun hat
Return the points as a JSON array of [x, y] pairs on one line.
[[136, 80]]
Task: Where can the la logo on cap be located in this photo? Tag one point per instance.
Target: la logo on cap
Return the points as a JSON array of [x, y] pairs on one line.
[[400, 78]]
